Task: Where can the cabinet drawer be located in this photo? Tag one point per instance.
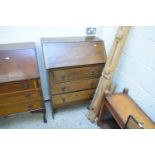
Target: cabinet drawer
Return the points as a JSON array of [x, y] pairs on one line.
[[69, 98], [20, 107], [69, 74], [11, 98], [74, 86], [18, 86]]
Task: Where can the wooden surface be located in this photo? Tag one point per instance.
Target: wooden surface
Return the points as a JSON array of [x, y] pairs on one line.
[[20, 89], [17, 65], [74, 66], [20, 96], [62, 53], [70, 98], [70, 39], [121, 106], [73, 86], [72, 74], [108, 71], [20, 107], [18, 86]]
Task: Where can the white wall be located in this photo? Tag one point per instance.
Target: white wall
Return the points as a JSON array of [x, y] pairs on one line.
[[33, 34], [136, 69]]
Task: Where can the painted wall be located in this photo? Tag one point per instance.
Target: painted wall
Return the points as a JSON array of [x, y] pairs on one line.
[[136, 69], [33, 34]]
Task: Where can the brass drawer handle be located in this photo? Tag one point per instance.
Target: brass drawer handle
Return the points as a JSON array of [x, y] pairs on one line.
[[26, 85], [28, 95], [63, 87], [92, 84], [92, 73], [63, 99], [62, 77], [30, 106]]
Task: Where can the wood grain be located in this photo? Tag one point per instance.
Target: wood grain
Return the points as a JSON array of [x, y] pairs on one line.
[[72, 86], [66, 54], [18, 65], [18, 86], [20, 107], [121, 106], [71, 74], [11, 98], [69, 98], [20, 89]]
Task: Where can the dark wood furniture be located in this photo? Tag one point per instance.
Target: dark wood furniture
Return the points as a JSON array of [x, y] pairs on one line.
[[121, 106], [74, 66], [20, 89]]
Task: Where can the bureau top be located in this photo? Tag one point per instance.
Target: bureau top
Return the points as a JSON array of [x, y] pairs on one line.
[[18, 62], [73, 51]]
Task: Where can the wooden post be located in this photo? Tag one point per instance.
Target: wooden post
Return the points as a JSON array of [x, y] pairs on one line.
[[106, 77]]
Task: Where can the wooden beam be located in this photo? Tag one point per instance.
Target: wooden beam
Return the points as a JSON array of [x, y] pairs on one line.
[[109, 69]]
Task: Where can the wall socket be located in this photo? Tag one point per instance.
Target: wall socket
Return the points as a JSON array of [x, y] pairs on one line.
[[91, 31]]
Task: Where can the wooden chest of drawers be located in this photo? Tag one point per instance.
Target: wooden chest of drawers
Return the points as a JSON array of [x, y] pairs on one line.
[[74, 66], [20, 89]]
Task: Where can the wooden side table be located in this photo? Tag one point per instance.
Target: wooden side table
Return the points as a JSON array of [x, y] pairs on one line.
[[121, 106]]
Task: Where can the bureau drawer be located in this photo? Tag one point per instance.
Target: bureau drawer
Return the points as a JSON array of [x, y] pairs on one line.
[[69, 98], [20, 107], [72, 86], [11, 98], [69, 74], [18, 86]]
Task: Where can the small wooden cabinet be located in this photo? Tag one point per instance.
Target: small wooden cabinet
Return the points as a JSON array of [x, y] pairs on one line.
[[20, 89], [74, 67]]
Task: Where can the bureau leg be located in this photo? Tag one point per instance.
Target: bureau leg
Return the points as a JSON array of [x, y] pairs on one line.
[[52, 110], [44, 113], [44, 116]]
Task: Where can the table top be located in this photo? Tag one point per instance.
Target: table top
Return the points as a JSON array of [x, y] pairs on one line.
[[73, 51], [125, 106], [18, 62]]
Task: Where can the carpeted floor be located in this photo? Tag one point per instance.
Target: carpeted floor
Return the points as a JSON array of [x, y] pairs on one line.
[[72, 117]]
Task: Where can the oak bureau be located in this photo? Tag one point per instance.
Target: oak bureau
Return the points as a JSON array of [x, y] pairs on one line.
[[20, 89], [74, 66]]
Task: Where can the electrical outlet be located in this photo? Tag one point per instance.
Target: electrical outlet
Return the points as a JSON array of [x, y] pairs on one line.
[[91, 30]]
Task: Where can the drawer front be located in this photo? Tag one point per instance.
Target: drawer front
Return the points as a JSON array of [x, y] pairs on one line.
[[20, 107], [74, 86], [11, 98], [71, 74], [70, 98], [18, 86]]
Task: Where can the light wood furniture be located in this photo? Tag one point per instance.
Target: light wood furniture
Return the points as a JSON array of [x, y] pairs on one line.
[[74, 66], [121, 106], [105, 83], [20, 89]]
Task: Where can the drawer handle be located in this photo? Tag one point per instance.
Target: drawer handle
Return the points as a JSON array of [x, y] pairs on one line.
[[30, 106], [63, 87], [92, 73], [25, 85], [92, 84], [63, 99], [63, 77], [28, 95]]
